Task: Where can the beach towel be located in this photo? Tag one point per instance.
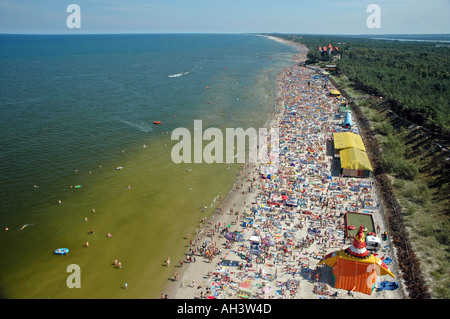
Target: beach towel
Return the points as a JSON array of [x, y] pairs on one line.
[[387, 285], [244, 285], [227, 262], [267, 289]]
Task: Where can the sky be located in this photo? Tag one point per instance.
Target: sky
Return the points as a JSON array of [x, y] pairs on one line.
[[225, 16]]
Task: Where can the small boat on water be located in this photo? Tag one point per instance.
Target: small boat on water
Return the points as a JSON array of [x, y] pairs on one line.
[[157, 122], [61, 251], [119, 168]]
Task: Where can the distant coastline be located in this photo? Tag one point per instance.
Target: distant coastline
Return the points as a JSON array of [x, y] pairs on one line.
[[412, 40]]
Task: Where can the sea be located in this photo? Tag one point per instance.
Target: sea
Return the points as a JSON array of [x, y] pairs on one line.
[[74, 109]]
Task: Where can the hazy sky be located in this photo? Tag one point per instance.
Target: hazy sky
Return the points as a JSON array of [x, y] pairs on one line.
[[225, 16]]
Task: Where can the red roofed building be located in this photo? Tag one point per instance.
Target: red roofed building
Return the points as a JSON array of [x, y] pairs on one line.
[[329, 49]]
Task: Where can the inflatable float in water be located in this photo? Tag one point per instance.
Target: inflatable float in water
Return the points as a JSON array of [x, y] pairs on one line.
[[61, 251]]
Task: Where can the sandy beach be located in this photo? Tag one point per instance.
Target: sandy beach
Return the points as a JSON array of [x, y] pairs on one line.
[[220, 262]]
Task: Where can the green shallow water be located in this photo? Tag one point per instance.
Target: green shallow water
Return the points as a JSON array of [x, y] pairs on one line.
[[78, 110], [147, 224]]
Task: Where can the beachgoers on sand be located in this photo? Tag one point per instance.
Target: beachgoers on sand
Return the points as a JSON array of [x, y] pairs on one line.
[[269, 234]]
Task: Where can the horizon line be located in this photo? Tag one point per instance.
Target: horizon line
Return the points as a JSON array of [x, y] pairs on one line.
[[206, 33]]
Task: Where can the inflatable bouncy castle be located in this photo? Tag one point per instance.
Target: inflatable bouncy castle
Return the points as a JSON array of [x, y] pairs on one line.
[[355, 268]]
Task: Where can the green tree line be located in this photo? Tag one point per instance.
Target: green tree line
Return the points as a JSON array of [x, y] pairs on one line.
[[413, 77]]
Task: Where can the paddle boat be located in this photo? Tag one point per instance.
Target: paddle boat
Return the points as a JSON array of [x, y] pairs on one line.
[[157, 122], [61, 251]]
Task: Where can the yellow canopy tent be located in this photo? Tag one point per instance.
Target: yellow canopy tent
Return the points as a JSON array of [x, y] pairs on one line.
[[354, 158], [345, 140], [335, 92]]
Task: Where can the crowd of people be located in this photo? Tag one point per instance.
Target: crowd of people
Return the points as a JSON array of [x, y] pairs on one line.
[[288, 215]]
